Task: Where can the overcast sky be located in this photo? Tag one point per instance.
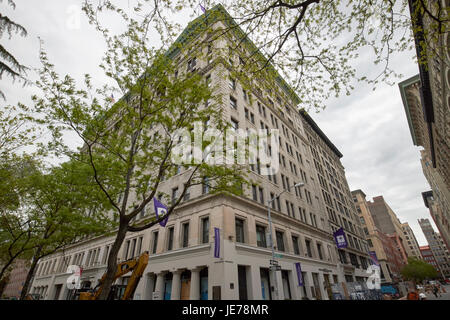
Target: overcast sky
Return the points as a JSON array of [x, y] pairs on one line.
[[368, 127]]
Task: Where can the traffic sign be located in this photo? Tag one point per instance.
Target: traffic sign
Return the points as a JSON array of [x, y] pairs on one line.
[[276, 268], [274, 262]]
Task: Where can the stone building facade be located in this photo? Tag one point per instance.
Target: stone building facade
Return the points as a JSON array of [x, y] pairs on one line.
[[437, 246], [426, 99], [182, 262]]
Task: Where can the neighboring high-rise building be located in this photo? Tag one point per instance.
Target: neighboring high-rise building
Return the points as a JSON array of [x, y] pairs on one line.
[[385, 247], [429, 257], [386, 220], [426, 99], [337, 200], [183, 262], [437, 207], [437, 246], [411, 245], [16, 279]]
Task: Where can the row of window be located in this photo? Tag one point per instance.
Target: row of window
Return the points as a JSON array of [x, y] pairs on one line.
[[262, 240], [184, 239]]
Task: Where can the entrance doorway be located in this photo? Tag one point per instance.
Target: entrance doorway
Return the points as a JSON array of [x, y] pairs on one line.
[[185, 285], [242, 282], [204, 284], [265, 284], [168, 286]]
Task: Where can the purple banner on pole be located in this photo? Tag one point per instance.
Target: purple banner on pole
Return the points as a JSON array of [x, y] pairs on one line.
[[160, 210], [216, 243], [373, 256], [299, 273], [340, 239]]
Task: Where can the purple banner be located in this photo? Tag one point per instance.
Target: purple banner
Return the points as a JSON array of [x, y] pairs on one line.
[[160, 210], [373, 256], [340, 239], [216, 243], [299, 273]]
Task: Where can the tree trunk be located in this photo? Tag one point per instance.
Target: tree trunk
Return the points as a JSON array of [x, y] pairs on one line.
[[112, 261], [30, 274]]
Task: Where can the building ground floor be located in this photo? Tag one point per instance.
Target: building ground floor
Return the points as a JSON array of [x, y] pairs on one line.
[[241, 273]]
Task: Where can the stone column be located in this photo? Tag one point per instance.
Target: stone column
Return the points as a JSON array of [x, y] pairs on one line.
[[160, 285], [323, 291], [176, 285], [194, 293], [308, 281]]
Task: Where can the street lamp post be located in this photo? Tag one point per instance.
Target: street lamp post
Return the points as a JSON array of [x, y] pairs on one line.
[[273, 262]]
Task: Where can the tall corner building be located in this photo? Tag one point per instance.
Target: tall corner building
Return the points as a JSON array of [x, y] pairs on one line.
[[337, 200], [437, 247], [426, 99], [411, 244], [384, 246], [185, 262]]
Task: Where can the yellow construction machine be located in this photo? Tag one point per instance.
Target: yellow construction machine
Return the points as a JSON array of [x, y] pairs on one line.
[[121, 292]]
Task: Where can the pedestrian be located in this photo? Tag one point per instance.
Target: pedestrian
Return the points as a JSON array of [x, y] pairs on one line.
[[435, 291], [412, 295]]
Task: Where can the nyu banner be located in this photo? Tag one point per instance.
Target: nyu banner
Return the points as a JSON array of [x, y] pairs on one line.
[[216, 243], [299, 273], [373, 256], [160, 210], [340, 239]]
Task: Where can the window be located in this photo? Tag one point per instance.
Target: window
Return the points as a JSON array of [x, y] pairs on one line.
[[185, 236], [295, 244], [272, 200], [234, 124], [205, 185], [170, 239], [187, 194], [261, 236], [192, 63], [319, 250], [244, 93], [139, 246], [280, 240], [125, 253], [239, 223], [155, 241], [308, 248], [133, 248], [254, 193], [174, 195], [261, 195], [105, 254], [353, 260], [232, 84], [205, 230], [233, 102]]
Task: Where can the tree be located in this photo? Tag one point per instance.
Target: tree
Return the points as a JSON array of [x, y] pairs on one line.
[[129, 146], [314, 43], [417, 270], [8, 63], [59, 211]]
